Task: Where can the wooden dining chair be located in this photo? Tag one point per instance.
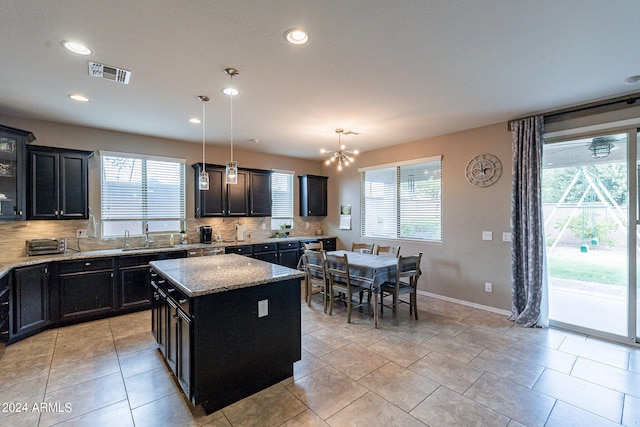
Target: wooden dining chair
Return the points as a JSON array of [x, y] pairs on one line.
[[393, 251], [365, 248], [340, 282], [313, 246], [407, 275], [316, 276]]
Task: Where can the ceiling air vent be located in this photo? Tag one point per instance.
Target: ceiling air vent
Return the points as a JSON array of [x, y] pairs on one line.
[[108, 72]]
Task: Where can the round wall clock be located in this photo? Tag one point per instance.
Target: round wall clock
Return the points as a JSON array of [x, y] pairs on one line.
[[483, 170]]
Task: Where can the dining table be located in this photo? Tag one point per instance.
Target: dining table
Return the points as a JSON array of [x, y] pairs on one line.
[[370, 271]]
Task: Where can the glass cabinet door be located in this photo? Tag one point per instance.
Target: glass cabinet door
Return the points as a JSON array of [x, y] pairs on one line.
[[8, 177]]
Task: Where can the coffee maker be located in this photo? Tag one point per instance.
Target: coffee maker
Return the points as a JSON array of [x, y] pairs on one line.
[[205, 234]]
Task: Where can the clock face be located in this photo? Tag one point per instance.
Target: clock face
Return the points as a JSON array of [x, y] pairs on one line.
[[483, 170]]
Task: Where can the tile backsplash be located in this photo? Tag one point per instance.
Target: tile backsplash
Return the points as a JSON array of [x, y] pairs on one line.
[[15, 233]]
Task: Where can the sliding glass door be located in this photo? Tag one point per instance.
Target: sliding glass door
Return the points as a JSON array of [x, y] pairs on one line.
[[586, 199]]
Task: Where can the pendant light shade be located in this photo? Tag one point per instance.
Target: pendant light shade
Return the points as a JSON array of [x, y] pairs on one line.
[[203, 181], [231, 174]]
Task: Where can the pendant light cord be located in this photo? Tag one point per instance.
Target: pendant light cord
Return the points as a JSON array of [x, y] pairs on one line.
[[204, 122], [231, 120]]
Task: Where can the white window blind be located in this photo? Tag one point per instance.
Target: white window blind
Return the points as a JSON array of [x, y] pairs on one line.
[[139, 190], [282, 194], [403, 201]]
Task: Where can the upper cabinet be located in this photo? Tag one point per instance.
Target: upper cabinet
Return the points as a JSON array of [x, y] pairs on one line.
[[251, 196], [58, 182], [13, 164], [313, 195]]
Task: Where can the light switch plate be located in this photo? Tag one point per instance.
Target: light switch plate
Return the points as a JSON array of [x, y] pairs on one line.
[[506, 237], [263, 308], [487, 235]]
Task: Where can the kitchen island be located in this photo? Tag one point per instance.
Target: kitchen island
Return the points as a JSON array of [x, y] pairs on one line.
[[228, 326]]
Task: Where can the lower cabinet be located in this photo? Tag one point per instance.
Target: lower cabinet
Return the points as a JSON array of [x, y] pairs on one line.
[[172, 328], [4, 308], [289, 254], [87, 289], [266, 252], [30, 300]]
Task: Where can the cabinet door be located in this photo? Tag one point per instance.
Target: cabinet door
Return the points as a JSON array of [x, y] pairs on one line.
[[211, 202], [73, 183], [271, 257], [134, 286], [86, 294], [289, 258], [4, 308], [183, 368], [313, 195], [162, 311], [43, 185], [237, 202], [260, 194], [31, 295], [12, 176], [172, 343]]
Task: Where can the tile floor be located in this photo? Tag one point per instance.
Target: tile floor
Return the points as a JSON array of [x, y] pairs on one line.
[[456, 366]]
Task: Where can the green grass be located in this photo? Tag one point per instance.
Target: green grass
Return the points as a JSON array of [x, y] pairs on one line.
[[587, 269]]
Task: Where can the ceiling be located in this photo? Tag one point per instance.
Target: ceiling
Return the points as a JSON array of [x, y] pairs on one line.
[[394, 71]]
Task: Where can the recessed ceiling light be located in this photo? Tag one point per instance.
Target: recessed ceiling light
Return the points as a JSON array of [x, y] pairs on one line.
[[632, 80], [230, 91], [296, 36], [78, 97], [76, 47], [195, 120]]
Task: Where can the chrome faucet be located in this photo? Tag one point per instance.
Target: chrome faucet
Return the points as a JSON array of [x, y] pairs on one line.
[[126, 238], [146, 236]]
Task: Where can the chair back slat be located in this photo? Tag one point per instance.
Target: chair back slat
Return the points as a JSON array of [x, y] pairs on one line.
[[313, 246], [388, 250], [362, 247]]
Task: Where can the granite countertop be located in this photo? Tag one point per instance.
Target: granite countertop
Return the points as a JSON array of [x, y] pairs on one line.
[[207, 275], [70, 255]]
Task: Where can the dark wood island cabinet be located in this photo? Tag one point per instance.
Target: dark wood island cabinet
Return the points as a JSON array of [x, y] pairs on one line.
[[228, 326]]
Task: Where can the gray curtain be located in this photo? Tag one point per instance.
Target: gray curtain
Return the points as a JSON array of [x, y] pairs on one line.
[[527, 247]]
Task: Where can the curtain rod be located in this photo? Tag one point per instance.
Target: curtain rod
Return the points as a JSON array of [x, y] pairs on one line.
[[602, 106]]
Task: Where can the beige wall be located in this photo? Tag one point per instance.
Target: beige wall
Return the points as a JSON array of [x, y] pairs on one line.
[[458, 268]]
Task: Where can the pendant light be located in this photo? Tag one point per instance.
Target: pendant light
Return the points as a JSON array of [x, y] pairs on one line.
[[203, 182], [341, 155], [232, 166]]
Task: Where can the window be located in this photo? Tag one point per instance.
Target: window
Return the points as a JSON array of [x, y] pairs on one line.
[[139, 191], [403, 201], [281, 198]]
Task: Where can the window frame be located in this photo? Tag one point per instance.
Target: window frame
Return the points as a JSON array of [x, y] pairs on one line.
[[137, 222], [276, 219], [395, 205]]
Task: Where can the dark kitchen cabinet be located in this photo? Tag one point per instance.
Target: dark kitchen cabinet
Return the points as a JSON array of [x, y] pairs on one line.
[[13, 165], [30, 300], [133, 279], [266, 252], [57, 183], [239, 249], [260, 193], [4, 308], [251, 196], [87, 289], [289, 254], [171, 325], [313, 195]]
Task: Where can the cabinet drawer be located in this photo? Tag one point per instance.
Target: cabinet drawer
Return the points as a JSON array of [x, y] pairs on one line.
[[283, 246], [265, 247], [329, 244], [86, 265], [180, 299], [240, 250]]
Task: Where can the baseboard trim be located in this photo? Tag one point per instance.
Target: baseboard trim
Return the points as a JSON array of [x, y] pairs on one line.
[[467, 303]]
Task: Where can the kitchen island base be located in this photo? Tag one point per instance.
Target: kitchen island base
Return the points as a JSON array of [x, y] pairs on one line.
[[223, 347]]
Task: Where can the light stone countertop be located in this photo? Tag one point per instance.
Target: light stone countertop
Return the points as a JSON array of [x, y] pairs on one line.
[[6, 265], [207, 275]]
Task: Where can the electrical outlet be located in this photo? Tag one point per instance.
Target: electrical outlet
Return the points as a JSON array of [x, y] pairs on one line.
[[488, 287], [307, 224], [506, 237], [81, 234], [487, 235], [263, 226], [263, 308]]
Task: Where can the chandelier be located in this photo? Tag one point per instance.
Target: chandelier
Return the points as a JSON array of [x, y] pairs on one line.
[[232, 166], [203, 181], [341, 155]]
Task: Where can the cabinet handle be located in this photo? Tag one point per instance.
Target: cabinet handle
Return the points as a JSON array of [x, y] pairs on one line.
[[182, 301], [55, 213], [61, 212], [175, 316], [7, 303], [162, 281], [170, 290], [87, 263], [309, 211]]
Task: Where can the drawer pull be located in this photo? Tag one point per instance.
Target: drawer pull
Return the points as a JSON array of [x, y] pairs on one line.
[[170, 290], [182, 301], [5, 303]]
